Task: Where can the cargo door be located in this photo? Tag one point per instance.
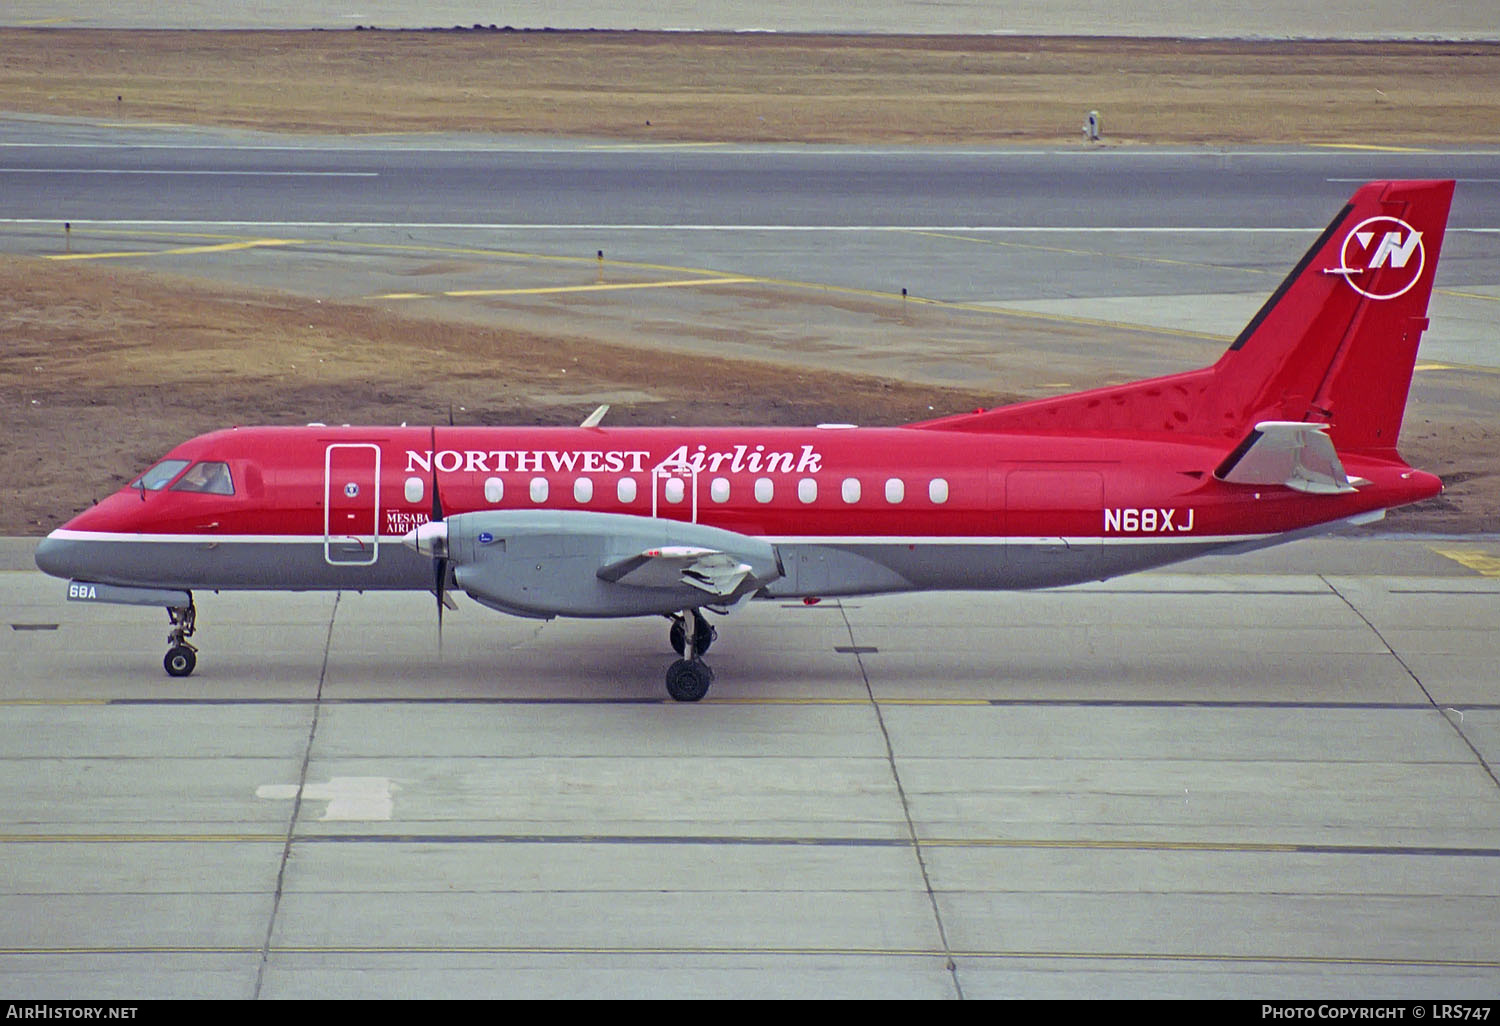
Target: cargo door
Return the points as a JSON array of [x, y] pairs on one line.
[[1052, 517]]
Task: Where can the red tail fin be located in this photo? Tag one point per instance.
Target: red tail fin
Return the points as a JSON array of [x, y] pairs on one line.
[[1335, 343]]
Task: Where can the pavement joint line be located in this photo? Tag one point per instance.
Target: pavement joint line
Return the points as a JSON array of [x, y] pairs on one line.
[[54, 701], [913, 836], [982, 954], [291, 827], [1455, 724], [427, 838], [142, 838]]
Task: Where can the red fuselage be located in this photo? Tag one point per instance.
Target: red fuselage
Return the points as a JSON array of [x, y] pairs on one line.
[[352, 487]]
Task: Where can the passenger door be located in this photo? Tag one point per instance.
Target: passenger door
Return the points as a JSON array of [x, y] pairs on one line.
[[351, 503]]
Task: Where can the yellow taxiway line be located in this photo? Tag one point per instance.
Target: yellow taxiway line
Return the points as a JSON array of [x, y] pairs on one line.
[[1373, 147], [1478, 560], [553, 289], [222, 247]]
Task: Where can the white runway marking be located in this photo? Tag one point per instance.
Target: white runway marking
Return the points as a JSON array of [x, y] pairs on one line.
[[360, 799]]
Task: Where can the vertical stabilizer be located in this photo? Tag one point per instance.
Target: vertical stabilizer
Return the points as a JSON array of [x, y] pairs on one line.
[[1334, 345]]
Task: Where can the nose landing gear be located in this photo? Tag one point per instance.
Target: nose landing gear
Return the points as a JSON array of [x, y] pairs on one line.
[[181, 657]]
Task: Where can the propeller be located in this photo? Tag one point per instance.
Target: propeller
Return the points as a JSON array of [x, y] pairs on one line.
[[439, 543], [431, 539]]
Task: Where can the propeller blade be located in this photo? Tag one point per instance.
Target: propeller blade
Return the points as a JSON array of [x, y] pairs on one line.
[[431, 540], [441, 567], [437, 504], [439, 541]]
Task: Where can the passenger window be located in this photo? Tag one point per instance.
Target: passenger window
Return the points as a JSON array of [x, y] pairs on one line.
[[937, 491], [583, 490], [155, 479], [895, 490], [807, 490], [209, 476], [719, 490], [764, 490], [625, 490], [850, 489]]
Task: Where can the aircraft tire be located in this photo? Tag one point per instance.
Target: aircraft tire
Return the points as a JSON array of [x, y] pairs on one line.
[[180, 661], [688, 680], [678, 636]]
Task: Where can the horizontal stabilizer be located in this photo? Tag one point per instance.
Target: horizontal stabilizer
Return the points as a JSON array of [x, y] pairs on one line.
[[708, 570], [1291, 453]]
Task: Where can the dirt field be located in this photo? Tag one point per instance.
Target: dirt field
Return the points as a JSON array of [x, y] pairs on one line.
[[102, 370], [681, 86]]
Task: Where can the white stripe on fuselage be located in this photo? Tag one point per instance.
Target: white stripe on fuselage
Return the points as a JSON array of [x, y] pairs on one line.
[[64, 534]]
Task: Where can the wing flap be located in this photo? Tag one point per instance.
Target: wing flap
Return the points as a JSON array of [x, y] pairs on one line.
[[710, 571]]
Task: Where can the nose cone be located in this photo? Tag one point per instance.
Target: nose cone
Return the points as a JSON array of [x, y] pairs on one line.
[[57, 556], [82, 548], [431, 539]]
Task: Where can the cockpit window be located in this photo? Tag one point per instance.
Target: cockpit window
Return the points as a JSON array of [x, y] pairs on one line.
[[208, 476], [155, 479]]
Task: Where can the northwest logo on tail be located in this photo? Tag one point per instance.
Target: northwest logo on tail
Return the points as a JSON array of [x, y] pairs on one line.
[[1377, 243]]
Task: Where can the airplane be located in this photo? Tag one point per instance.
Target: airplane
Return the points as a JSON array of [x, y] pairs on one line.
[[1292, 431]]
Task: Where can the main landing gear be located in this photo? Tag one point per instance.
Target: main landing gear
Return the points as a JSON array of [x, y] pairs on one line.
[[691, 635], [182, 657]]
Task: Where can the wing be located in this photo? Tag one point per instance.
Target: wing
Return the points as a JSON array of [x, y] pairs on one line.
[[715, 573], [580, 563]]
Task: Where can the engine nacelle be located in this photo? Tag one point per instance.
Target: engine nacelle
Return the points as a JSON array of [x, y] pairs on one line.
[[578, 563]]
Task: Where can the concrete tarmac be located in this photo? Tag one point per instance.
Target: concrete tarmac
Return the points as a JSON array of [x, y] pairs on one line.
[[1272, 775], [1022, 266], [1267, 775]]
